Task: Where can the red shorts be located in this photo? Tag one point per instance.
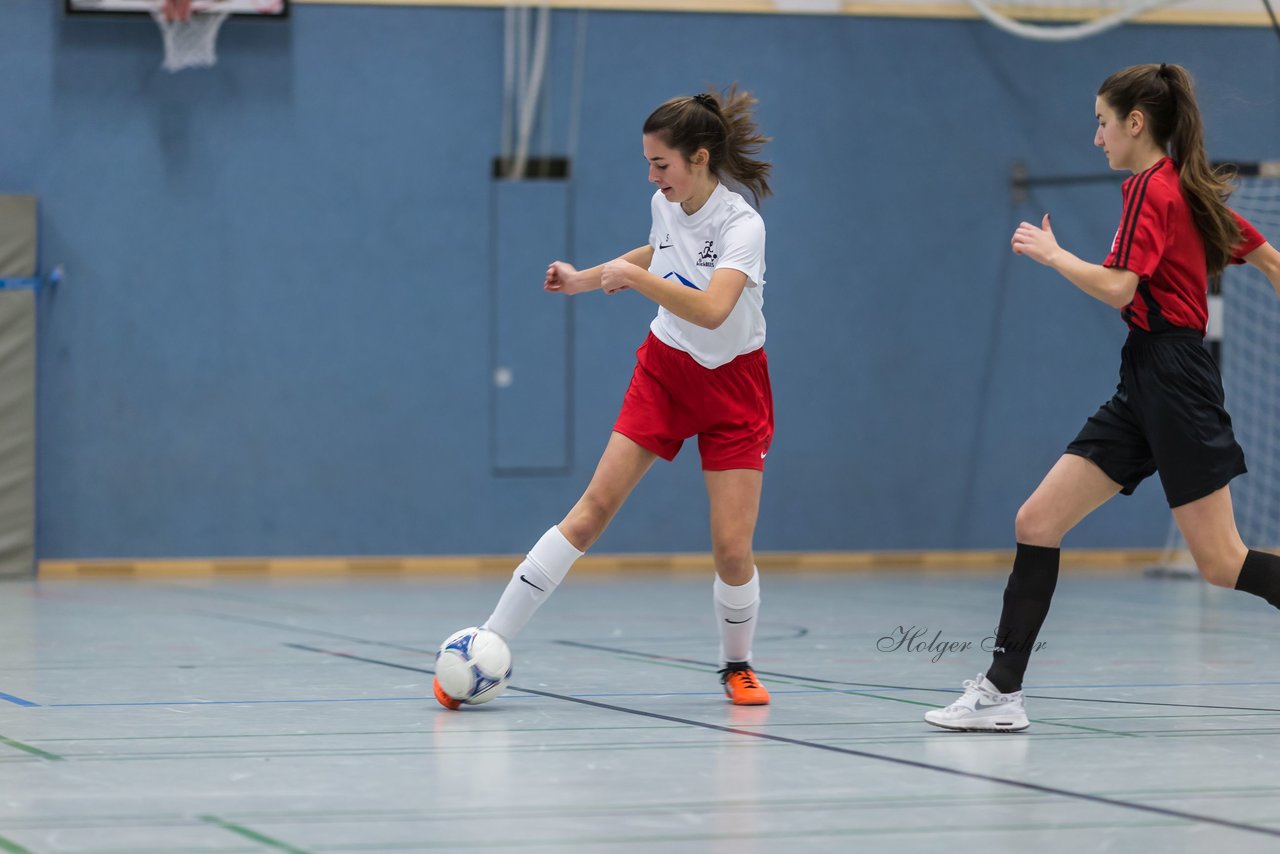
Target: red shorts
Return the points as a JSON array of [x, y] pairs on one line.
[[672, 397]]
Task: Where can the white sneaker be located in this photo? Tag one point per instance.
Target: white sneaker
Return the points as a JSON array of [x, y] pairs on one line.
[[982, 709]]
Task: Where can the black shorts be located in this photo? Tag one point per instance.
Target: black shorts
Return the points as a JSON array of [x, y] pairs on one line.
[[1167, 416]]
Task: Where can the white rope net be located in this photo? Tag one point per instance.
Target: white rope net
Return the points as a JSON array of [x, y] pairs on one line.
[[1062, 20], [190, 43], [1251, 379]]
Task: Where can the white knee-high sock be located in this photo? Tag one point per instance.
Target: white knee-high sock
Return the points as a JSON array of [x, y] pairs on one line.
[[736, 611], [535, 579]]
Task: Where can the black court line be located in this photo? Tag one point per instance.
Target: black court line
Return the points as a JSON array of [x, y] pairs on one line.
[[838, 682], [251, 621], [796, 632], [242, 598], [862, 754]]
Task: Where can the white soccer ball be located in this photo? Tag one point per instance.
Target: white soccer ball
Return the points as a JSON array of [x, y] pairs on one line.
[[473, 665]]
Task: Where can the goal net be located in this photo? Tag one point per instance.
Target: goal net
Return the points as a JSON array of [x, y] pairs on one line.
[[1250, 362]]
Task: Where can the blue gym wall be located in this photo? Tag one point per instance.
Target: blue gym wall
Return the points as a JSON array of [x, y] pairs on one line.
[[274, 333]]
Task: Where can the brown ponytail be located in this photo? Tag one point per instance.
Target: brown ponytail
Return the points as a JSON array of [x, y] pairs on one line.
[[1165, 94], [725, 127]]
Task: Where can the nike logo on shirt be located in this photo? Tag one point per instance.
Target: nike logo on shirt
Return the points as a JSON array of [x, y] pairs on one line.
[[665, 245], [530, 583]]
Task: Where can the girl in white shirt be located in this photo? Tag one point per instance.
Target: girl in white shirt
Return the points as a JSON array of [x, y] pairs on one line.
[[700, 372]]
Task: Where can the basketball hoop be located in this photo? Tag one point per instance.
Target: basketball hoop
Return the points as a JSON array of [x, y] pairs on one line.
[[190, 32]]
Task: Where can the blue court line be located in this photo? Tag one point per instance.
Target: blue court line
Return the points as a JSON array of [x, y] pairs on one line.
[[1180, 815], [286, 701], [236, 702], [17, 701]]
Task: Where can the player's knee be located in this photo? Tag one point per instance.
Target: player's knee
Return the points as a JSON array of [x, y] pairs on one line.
[[587, 521], [1220, 570], [1033, 527], [734, 563]]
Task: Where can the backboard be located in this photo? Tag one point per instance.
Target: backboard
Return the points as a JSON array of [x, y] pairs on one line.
[[247, 8]]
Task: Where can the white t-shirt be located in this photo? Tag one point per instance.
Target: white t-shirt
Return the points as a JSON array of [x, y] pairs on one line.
[[726, 232]]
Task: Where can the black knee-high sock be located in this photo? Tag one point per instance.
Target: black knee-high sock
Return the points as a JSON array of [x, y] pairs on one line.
[[1026, 604], [1260, 576]]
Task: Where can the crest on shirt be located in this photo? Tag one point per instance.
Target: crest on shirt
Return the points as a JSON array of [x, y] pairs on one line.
[[707, 257]]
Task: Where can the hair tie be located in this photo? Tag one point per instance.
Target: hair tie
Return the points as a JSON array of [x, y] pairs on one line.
[[707, 101]]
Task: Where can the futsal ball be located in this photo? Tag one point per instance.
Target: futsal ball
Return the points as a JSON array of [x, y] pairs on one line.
[[473, 665]]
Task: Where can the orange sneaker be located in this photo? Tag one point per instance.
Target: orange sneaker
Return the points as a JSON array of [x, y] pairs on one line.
[[443, 698], [741, 685]]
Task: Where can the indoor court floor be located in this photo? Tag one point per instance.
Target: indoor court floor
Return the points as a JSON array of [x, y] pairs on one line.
[[264, 714]]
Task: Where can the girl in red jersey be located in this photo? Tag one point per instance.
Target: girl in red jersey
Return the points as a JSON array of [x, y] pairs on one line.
[[700, 372], [1167, 414]]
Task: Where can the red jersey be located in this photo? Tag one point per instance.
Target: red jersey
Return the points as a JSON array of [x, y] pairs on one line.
[[1159, 241]]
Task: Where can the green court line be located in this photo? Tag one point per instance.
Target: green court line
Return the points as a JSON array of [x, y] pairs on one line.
[[1205, 733], [560, 809], [598, 729], [574, 747], [252, 834], [1155, 717], [771, 805], [34, 751], [595, 729], [818, 833], [13, 847], [1098, 730]]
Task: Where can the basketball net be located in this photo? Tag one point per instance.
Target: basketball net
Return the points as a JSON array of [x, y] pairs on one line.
[[1061, 20], [190, 43]]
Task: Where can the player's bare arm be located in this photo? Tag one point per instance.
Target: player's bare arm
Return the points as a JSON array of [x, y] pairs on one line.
[[707, 309], [1113, 286], [564, 278], [1267, 259]]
